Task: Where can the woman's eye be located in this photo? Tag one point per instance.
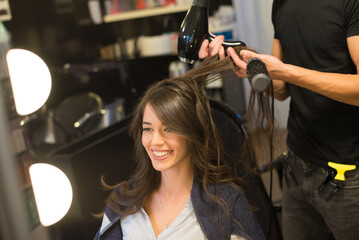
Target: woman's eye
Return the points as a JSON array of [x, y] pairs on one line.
[[147, 129], [167, 130]]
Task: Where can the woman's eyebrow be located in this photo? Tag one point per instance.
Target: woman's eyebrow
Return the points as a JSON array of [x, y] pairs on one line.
[[146, 123]]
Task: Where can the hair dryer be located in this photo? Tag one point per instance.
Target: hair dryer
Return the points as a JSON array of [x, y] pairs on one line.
[[194, 29]]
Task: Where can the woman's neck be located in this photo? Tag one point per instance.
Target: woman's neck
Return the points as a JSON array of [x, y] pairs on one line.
[[176, 183]]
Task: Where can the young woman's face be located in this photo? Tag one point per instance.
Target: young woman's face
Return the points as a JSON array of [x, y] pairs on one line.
[[166, 149]]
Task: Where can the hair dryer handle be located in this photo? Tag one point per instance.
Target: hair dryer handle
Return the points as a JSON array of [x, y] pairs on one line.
[[227, 44]]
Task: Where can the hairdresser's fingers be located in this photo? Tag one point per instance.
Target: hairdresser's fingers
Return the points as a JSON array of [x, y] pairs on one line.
[[236, 59], [221, 53], [203, 51], [213, 35], [215, 45], [246, 55]]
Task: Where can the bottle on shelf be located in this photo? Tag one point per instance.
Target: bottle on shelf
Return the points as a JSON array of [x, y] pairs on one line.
[[4, 48]]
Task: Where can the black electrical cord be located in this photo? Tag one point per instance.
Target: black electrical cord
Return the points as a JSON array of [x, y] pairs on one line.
[[271, 161]]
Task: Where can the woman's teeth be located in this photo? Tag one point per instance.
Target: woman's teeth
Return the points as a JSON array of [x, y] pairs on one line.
[[161, 154]]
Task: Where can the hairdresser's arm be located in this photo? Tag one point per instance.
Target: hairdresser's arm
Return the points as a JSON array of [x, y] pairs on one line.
[[281, 90], [340, 87]]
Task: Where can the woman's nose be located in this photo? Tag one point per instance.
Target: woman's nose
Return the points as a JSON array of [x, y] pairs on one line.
[[157, 138]]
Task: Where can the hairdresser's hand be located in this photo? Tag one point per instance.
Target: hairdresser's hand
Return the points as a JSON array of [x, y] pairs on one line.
[[212, 48], [272, 63], [241, 72]]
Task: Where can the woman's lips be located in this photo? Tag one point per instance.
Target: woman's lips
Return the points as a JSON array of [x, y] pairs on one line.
[[160, 154]]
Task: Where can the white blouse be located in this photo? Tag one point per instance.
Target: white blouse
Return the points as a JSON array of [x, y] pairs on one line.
[[185, 227]]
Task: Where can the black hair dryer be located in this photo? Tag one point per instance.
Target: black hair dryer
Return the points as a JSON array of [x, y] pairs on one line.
[[194, 29]]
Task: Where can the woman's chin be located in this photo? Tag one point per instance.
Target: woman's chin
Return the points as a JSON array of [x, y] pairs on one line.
[[159, 166]]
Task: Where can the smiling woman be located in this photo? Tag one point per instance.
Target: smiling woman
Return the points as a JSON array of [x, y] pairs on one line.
[[182, 187], [167, 150]]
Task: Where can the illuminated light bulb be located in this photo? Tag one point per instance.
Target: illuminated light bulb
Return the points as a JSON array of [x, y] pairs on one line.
[[30, 80], [52, 191]]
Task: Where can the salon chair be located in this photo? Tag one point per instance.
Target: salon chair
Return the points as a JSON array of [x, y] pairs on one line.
[[232, 131]]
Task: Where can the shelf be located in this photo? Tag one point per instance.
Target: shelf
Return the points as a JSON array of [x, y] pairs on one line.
[[144, 13]]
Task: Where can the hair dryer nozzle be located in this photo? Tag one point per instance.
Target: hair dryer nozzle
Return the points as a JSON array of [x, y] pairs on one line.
[[258, 75]]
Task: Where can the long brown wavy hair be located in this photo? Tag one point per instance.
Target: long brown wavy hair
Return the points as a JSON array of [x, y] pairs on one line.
[[183, 106]]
